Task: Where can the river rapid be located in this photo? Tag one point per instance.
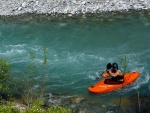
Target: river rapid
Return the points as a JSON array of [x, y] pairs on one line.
[[79, 49]]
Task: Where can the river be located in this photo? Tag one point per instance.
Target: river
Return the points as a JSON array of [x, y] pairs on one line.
[[79, 49]]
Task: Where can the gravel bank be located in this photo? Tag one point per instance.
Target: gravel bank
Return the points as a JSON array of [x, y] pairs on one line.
[[71, 7]]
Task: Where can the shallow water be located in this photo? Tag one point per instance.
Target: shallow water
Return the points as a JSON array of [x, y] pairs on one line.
[[79, 49]]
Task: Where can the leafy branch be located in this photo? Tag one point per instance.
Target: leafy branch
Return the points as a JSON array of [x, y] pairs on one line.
[[124, 62]]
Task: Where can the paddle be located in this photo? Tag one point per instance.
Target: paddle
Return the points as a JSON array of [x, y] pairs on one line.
[[99, 76]]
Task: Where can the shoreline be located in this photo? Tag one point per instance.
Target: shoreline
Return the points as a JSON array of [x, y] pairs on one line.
[[69, 7]]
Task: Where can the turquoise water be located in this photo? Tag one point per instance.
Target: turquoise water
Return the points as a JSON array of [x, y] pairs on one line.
[[79, 49]]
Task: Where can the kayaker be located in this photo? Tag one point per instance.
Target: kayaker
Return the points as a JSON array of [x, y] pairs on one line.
[[115, 74], [108, 67], [106, 71]]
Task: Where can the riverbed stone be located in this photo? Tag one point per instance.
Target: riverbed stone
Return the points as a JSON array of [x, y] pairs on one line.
[[77, 99], [17, 7], [24, 4]]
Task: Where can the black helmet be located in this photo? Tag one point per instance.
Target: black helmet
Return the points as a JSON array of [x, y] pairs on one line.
[[108, 66], [114, 66]]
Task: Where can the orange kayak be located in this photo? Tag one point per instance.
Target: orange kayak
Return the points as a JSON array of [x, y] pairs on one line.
[[102, 87]]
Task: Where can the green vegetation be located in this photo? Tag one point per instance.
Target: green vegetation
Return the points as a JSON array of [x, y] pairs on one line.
[[59, 109], [124, 63], [4, 75], [8, 108], [32, 97], [32, 86], [55, 109]]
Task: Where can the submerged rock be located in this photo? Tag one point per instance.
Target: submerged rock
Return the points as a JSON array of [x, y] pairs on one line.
[[77, 99], [133, 103]]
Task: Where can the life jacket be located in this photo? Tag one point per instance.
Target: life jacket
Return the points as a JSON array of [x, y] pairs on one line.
[[117, 73], [109, 73], [106, 73]]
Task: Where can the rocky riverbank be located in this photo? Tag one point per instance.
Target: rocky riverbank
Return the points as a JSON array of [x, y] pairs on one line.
[[128, 104], [70, 7]]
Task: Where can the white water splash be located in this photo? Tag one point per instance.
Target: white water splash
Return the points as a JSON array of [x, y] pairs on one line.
[[62, 24], [145, 80], [141, 80], [12, 52], [91, 77]]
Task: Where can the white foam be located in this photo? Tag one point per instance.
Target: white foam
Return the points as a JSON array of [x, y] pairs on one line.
[[16, 46], [12, 52], [13, 61], [142, 80], [63, 84], [62, 24], [77, 57], [91, 77], [34, 48]]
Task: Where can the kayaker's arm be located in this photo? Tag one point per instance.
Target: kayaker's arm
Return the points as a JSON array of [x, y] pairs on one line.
[[108, 67], [105, 74], [99, 76], [120, 73]]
